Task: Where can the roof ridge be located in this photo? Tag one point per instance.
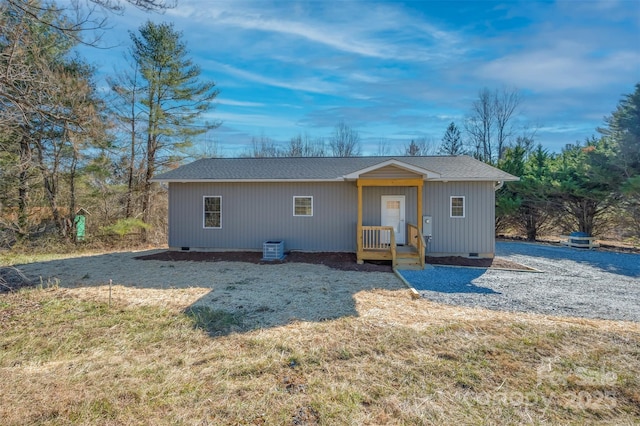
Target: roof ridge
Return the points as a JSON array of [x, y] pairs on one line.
[[327, 168]]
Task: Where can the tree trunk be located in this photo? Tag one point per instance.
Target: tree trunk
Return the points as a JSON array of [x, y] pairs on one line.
[[50, 186], [150, 170], [23, 186], [532, 228], [132, 158], [52, 196], [72, 190]]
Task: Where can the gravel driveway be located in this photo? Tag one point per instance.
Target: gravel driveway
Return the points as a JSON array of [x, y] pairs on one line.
[[571, 282]]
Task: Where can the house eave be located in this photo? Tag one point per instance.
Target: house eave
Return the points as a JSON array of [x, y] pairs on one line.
[[475, 179], [243, 180], [340, 179]]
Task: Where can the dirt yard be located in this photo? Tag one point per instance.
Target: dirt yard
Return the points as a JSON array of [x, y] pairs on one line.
[[261, 294], [301, 287]]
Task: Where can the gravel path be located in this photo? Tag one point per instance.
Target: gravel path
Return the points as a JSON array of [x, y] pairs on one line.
[[571, 282]]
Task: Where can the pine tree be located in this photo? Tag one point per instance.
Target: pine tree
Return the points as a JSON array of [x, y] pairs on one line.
[[623, 132], [584, 185], [451, 141], [173, 96]]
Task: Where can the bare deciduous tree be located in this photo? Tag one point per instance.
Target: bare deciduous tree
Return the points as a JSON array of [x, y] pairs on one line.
[[418, 147], [489, 126], [304, 146], [383, 149], [262, 147], [506, 103], [128, 113], [118, 5], [207, 146], [480, 124], [345, 141]]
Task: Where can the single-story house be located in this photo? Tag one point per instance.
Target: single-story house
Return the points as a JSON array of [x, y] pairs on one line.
[[378, 207]]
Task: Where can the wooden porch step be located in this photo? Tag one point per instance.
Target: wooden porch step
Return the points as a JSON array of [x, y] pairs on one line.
[[408, 261], [407, 255]]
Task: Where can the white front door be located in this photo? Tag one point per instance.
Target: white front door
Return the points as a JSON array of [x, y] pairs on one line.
[[392, 214]]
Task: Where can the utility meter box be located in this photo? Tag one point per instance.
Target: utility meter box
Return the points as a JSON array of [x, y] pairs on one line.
[[427, 226]]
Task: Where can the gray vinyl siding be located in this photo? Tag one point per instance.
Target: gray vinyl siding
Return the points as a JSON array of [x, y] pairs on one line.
[[475, 233], [390, 172], [256, 212], [253, 213]]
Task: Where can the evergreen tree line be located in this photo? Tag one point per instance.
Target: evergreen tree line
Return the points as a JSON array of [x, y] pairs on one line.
[[591, 187]]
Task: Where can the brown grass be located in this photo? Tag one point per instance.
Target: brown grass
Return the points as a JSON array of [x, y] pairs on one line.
[[71, 360], [51, 247]]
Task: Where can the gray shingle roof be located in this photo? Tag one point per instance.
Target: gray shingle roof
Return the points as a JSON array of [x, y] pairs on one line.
[[325, 168]]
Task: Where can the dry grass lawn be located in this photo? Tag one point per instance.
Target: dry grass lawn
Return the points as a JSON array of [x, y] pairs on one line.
[[71, 359]]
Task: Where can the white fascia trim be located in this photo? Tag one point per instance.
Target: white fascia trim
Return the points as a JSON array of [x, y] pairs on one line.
[[243, 180], [428, 174], [471, 179]]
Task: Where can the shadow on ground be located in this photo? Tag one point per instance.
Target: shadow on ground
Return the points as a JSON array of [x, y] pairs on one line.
[[627, 264], [219, 296], [447, 280]]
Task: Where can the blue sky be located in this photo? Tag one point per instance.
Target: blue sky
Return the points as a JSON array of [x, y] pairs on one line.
[[396, 71]]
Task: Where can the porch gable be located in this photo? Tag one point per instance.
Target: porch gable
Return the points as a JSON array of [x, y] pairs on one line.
[[393, 168]]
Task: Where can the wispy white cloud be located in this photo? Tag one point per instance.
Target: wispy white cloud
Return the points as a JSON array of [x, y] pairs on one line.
[[577, 46], [366, 29], [266, 120], [231, 102], [601, 10], [566, 67], [364, 78], [566, 128], [311, 84], [318, 33]]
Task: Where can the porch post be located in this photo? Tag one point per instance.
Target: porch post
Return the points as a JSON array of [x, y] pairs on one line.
[[419, 219], [359, 227]]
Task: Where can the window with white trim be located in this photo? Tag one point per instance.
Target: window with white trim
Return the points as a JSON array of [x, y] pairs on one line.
[[212, 212], [456, 206], [303, 206]]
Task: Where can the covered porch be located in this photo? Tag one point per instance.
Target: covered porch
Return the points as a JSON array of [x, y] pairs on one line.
[[379, 242]]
